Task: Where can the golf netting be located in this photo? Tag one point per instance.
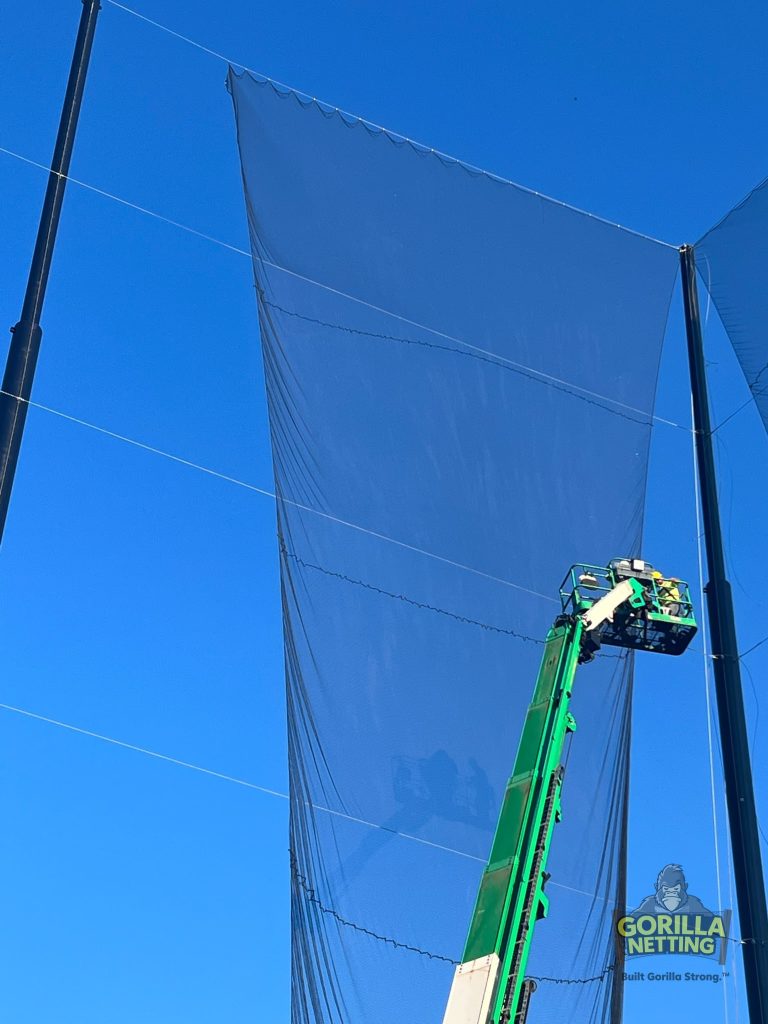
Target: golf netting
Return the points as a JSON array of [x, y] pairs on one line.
[[730, 258], [461, 378]]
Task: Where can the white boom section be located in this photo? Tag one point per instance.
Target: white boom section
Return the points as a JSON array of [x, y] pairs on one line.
[[604, 609], [474, 985]]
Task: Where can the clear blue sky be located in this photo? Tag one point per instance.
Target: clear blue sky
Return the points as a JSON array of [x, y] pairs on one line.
[[140, 597]]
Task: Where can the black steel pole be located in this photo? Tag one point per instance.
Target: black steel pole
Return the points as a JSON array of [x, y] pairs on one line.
[[26, 335], [739, 792]]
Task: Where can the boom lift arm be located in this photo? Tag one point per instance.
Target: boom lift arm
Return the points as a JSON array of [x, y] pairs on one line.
[[624, 606]]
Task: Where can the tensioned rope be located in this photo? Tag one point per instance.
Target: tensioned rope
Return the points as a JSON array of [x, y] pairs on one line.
[[127, 202], [229, 778], [380, 128], [540, 375], [285, 501], [306, 508], [222, 776], [329, 572], [753, 647], [263, 491]]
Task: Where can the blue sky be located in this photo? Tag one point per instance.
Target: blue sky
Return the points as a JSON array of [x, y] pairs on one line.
[[141, 597]]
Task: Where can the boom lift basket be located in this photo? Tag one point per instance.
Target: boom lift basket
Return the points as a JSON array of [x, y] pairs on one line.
[[628, 604], [663, 624]]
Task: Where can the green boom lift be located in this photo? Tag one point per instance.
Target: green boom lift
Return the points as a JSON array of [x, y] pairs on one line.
[[628, 604]]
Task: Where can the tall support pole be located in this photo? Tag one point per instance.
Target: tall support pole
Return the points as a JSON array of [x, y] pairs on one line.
[[740, 797], [27, 334]]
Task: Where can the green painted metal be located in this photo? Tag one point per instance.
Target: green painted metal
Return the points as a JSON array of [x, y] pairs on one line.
[[511, 896], [661, 623]]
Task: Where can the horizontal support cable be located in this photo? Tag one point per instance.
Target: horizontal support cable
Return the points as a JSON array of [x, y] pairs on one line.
[[283, 501], [419, 146], [265, 790], [311, 896], [537, 376], [541, 375], [229, 778]]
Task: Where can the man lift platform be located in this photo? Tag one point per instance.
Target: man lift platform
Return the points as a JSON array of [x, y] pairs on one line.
[[628, 604]]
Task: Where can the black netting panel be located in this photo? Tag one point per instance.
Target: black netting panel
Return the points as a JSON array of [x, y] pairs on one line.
[[461, 379]]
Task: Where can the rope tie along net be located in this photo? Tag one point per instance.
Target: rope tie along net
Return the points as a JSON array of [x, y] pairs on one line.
[[399, 295]]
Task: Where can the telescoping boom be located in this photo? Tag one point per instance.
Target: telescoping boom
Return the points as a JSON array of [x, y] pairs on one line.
[[628, 604]]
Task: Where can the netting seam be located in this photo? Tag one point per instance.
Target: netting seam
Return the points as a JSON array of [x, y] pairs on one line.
[[408, 600], [342, 577], [533, 375], [329, 111], [573, 981], [312, 897]]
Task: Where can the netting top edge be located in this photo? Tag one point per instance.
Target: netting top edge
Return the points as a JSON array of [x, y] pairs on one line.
[[727, 215], [353, 120]]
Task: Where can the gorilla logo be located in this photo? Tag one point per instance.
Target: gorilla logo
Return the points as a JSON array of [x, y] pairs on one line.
[[671, 895]]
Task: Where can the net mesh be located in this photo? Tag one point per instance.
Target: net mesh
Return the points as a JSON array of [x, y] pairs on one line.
[[461, 378], [730, 258]]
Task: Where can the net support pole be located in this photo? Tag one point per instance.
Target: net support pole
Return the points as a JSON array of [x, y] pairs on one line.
[[739, 791], [27, 334]]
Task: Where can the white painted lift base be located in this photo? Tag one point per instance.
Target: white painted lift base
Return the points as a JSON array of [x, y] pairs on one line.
[[472, 991]]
